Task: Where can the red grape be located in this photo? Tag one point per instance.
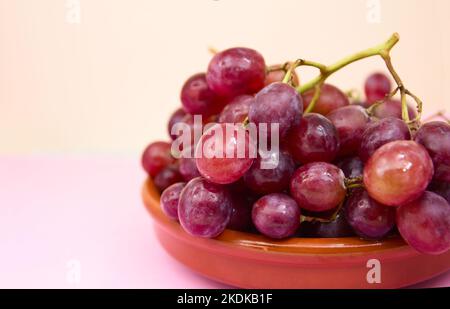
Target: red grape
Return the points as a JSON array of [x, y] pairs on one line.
[[170, 198], [224, 157], [393, 108], [425, 223], [167, 177], [237, 110], [156, 157], [435, 137], [204, 208], [177, 116], [377, 86], [381, 132], [236, 71], [318, 186], [330, 99], [314, 139], [368, 218], [351, 166], [277, 103], [198, 98], [350, 122], [398, 173], [276, 215], [264, 178], [188, 168]]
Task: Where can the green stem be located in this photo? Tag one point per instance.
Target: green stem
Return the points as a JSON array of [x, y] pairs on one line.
[[326, 71]]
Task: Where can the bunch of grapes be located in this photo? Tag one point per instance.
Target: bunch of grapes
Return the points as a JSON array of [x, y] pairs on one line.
[[342, 168]]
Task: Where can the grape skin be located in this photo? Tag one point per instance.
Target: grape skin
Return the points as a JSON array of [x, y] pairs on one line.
[[277, 103], [170, 198], [176, 117], [330, 99], [425, 223], [318, 186], [270, 180], [398, 173], [393, 108], [204, 208], [236, 71], [314, 139], [156, 157], [198, 99], [276, 215], [167, 177], [237, 110], [351, 166], [377, 86], [222, 169], [435, 137], [368, 218], [381, 132], [350, 122]]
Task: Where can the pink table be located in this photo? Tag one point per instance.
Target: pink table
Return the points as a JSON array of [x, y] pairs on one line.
[[69, 222]]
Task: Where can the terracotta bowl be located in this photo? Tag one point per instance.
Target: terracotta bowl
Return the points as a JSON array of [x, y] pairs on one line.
[[253, 261]]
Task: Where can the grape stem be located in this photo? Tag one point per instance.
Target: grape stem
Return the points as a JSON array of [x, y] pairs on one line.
[[374, 105], [353, 94], [382, 50], [212, 50]]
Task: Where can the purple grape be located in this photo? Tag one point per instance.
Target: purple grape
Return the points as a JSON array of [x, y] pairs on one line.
[[440, 187], [368, 218], [198, 98], [156, 157], [351, 166], [330, 99], [236, 71], [425, 223], [177, 116], [170, 198], [167, 177], [376, 87], [318, 186], [263, 178], [382, 132], [188, 168], [350, 122], [277, 103], [276, 215], [314, 139], [204, 208], [237, 110], [435, 137], [393, 108]]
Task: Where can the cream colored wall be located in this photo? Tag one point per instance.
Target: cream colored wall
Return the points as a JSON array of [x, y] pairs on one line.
[[109, 82]]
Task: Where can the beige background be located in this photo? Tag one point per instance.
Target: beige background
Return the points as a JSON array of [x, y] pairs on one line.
[[109, 82]]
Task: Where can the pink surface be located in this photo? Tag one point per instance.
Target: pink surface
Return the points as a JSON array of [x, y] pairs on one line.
[[57, 212]]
